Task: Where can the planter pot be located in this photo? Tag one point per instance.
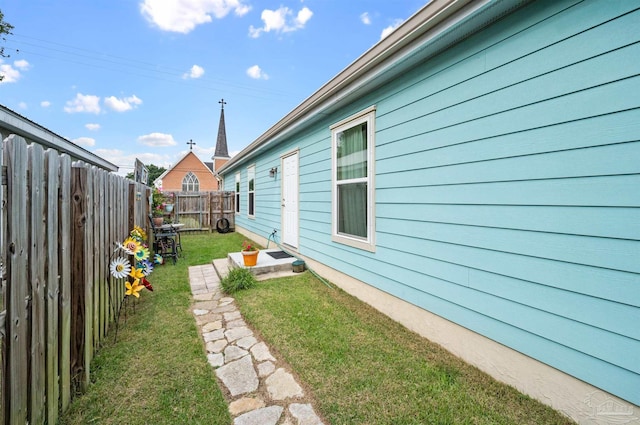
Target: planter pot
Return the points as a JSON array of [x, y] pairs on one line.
[[250, 258], [158, 221], [168, 208]]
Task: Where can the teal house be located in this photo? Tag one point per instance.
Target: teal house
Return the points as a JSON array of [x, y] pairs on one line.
[[475, 175]]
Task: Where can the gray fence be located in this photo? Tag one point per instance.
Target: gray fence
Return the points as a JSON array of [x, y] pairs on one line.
[[59, 224], [202, 210]]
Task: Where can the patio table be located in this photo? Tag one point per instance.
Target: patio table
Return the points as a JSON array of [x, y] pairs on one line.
[[173, 227]]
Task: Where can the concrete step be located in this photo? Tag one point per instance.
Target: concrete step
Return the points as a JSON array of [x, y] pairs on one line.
[[267, 267]]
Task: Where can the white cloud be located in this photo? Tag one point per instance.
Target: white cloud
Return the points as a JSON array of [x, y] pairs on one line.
[[196, 71], [281, 20], [22, 105], [123, 104], [125, 160], [257, 73], [157, 140], [84, 141], [365, 18], [184, 15], [92, 126], [83, 103], [22, 64], [45, 103], [11, 73], [391, 28]]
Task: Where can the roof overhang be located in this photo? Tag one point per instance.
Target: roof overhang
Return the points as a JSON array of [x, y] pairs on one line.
[[15, 123], [437, 26]]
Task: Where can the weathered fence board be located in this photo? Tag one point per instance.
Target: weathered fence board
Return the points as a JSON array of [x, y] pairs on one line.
[[52, 289], [37, 259], [17, 287], [59, 225], [64, 268], [202, 210], [78, 274]]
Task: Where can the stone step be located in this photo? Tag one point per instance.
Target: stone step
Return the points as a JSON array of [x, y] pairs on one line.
[[221, 265]]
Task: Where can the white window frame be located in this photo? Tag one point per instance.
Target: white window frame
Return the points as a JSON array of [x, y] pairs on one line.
[[192, 185], [367, 243], [237, 192], [251, 173]]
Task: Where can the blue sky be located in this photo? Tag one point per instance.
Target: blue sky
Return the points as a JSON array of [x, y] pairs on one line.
[[130, 79]]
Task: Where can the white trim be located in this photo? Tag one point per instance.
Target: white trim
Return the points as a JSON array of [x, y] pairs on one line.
[[368, 243], [353, 117], [251, 168], [237, 192]]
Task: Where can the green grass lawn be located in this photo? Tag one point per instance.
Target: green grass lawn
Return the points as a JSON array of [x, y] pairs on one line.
[[359, 365], [157, 371], [364, 368]]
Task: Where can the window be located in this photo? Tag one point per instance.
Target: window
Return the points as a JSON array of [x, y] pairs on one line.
[[237, 193], [190, 183], [251, 190], [353, 185]]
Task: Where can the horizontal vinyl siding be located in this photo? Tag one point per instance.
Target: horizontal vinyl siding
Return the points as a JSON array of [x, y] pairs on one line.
[[508, 188]]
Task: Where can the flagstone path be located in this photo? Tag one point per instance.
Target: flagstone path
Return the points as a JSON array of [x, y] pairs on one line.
[[259, 388]]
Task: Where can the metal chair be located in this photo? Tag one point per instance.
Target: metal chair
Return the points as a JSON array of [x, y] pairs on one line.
[[164, 241], [177, 239]]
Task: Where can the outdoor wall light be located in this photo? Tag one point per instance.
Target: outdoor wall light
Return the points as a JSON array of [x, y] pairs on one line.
[[273, 172]]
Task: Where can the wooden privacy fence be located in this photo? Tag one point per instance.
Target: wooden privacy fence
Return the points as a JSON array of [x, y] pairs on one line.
[[59, 224], [202, 210]]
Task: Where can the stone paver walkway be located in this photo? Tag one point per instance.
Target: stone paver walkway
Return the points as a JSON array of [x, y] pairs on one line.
[[259, 388]]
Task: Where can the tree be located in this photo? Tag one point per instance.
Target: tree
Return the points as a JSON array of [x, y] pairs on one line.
[[154, 173], [5, 28]]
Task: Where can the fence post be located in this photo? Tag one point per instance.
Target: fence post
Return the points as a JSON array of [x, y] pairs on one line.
[[78, 275], [17, 286]]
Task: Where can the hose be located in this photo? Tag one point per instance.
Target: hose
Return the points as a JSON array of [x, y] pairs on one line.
[[320, 278]]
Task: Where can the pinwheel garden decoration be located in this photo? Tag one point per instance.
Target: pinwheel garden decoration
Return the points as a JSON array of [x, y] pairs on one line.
[[132, 261]]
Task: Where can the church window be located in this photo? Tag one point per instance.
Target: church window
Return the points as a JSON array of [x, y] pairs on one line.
[[190, 183]]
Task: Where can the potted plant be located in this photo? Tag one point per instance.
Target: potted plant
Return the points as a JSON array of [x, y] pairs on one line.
[[249, 254], [168, 202], [157, 210]]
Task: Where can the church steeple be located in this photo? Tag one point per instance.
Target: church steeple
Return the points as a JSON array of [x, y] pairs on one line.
[[221, 144]]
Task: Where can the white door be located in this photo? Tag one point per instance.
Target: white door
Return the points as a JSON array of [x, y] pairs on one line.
[[290, 200]]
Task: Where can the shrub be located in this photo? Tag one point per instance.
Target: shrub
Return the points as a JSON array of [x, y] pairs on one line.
[[237, 280]]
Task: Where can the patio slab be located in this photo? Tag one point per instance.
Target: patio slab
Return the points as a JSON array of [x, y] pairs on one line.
[[265, 265]]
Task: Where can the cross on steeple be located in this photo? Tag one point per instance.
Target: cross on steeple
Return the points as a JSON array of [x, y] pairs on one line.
[[222, 102], [191, 143]]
